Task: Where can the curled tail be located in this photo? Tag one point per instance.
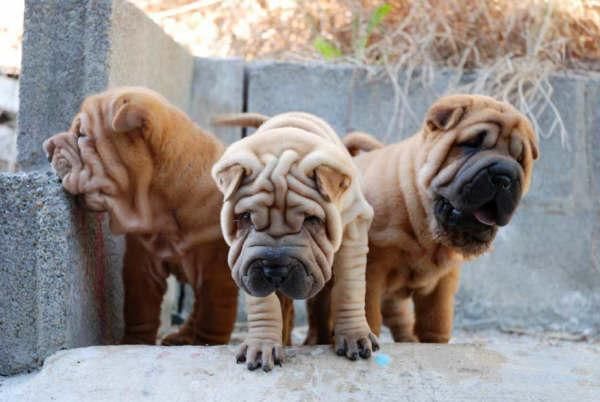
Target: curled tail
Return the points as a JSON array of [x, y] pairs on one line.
[[357, 141], [240, 119]]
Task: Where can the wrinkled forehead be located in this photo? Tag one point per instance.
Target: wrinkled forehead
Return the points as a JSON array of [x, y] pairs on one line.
[[280, 188]]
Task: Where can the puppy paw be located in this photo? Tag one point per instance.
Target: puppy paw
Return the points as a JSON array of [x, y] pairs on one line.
[[177, 339], [260, 353], [355, 344]]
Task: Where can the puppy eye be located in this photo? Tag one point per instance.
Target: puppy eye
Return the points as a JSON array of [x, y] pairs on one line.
[[243, 220], [476, 141], [244, 217], [313, 220]]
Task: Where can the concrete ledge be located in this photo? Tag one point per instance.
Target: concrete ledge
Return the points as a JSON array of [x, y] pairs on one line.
[[60, 273], [518, 369]]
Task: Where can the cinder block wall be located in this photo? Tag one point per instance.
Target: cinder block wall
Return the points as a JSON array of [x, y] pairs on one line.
[[60, 267]]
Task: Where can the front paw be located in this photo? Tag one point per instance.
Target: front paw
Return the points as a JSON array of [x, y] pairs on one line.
[[260, 353], [353, 344]]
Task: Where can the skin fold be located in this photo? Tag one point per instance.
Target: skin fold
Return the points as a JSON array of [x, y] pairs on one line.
[[294, 216], [439, 197], [131, 154]]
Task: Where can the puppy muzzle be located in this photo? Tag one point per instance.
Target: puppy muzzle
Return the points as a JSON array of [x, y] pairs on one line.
[[485, 192], [279, 268]]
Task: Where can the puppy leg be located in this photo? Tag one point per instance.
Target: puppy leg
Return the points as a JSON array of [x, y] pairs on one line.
[[352, 335], [375, 288], [287, 311], [216, 312], [320, 325], [434, 309], [144, 283], [398, 316], [213, 315], [263, 345]]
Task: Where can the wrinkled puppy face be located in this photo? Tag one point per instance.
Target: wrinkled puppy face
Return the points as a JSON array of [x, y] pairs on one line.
[[282, 223], [110, 138], [477, 168]]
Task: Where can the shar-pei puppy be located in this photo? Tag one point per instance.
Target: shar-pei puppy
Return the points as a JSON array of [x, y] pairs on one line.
[[143, 161], [439, 197], [294, 215]]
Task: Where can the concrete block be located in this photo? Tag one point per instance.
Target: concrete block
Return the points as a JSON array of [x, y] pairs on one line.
[[321, 89], [503, 370], [73, 48], [140, 53], [217, 88], [557, 173], [592, 137], [390, 109], [59, 271], [542, 275]]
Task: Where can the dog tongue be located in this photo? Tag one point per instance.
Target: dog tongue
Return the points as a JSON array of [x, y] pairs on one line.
[[484, 217]]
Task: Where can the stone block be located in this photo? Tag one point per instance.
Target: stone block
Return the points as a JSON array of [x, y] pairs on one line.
[[217, 88], [541, 276], [60, 273], [74, 48], [321, 89]]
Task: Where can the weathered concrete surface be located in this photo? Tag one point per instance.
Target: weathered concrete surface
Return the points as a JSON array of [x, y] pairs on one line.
[[217, 88], [545, 270], [73, 48], [60, 273], [509, 369], [277, 87]]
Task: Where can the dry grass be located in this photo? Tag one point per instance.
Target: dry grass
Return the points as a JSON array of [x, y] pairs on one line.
[[514, 45]]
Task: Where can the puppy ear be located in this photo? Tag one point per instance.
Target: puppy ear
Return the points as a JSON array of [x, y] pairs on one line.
[[331, 183], [128, 116], [229, 179], [444, 116]]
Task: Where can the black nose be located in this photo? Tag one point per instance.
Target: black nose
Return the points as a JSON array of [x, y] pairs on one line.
[[276, 274], [276, 269], [502, 181]]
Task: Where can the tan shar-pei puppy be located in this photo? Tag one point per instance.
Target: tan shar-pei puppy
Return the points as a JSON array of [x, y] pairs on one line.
[[294, 215], [132, 154], [439, 198]]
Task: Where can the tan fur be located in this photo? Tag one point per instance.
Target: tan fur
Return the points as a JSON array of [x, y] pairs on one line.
[[358, 141], [408, 263], [293, 168], [132, 154]]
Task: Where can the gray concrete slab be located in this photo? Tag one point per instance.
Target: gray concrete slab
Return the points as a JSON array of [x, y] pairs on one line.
[[543, 275], [217, 88], [73, 48], [318, 88], [391, 105], [59, 271], [512, 369], [592, 136]]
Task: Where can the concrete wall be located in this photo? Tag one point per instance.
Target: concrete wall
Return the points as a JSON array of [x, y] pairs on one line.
[[73, 48], [57, 289]]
